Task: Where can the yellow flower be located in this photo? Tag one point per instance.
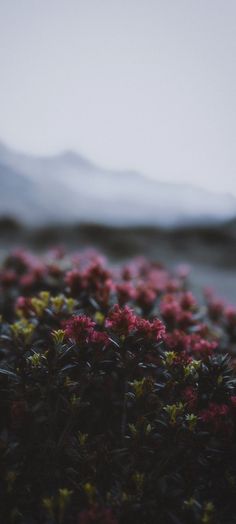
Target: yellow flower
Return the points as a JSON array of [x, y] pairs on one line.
[[58, 302], [148, 429], [208, 513], [23, 329], [63, 501], [99, 318], [10, 479], [138, 479], [192, 421], [82, 438], [38, 305], [70, 303], [192, 368], [170, 357], [45, 296], [90, 491], [48, 504], [35, 360], [138, 386], [174, 410], [58, 336]]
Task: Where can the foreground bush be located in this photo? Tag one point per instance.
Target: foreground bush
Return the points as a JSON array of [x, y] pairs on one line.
[[118, 399]]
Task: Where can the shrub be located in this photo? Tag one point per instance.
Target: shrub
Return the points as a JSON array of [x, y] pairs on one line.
[[117, 394]]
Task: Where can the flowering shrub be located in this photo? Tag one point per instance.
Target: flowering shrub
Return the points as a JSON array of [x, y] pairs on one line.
[[117, 394]]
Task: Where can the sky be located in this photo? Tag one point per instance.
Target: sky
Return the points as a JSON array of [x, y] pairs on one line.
[[148, 85]]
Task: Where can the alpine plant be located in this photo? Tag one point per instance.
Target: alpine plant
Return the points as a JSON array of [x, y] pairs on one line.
[[117, 394]]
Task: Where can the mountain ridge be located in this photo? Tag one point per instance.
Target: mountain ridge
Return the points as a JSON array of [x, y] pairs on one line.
[[69, 187]]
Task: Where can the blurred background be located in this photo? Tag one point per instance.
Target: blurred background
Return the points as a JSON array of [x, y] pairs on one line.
[[118, 128]]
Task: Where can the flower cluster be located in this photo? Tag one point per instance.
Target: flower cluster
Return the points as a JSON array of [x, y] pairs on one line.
[[117, 394]]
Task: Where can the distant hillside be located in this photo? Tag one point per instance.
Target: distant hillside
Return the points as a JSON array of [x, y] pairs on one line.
[[67, 188], [210, 245]]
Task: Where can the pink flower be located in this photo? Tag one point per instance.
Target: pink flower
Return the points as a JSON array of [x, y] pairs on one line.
[[103, 292], [173, 285], [57, 252], [8, 278], [215, 309], [190, 396], [146, 296], [121, 320], [99, 339], [54, 270], [96, 275], [126, 273], [185, 319], [202, 346], [158, 279], [75, 281], [183, 271], [230, 315], [23, 304], [188, 301], [79, 329], [178, 341], [27, 280], [125, 293], [33, 277], [170, 309], [154, 330]]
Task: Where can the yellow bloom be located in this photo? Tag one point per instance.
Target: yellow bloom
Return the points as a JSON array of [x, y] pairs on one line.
[[58, 336], [174, 410]]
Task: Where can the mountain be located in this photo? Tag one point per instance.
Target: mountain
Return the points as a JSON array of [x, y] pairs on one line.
[[67, 188]]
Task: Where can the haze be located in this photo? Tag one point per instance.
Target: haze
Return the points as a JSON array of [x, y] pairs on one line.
[[136, 84]]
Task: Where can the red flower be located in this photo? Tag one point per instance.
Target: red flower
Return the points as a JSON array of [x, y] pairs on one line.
[[177, 341], [172, 285], [23, 304], [75, 281], [80, 329], [8, 278], [103, 292], [96, 515], [121, 320], [188, 301], [202, 346], [96, 275], [33, 277], [99, 339], [230, 315], [150, 330], [125, 293], [146, 296], [233, 401], [215, 309], [170, 310], [54, 270], [126, 273], [27, 280], [185, 319], [215, 415], [190, 396]]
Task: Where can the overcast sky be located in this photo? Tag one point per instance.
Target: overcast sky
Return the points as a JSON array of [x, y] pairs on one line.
[[143, 84]]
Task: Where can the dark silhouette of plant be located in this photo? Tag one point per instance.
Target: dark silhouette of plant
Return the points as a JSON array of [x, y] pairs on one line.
[[117, 395]]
